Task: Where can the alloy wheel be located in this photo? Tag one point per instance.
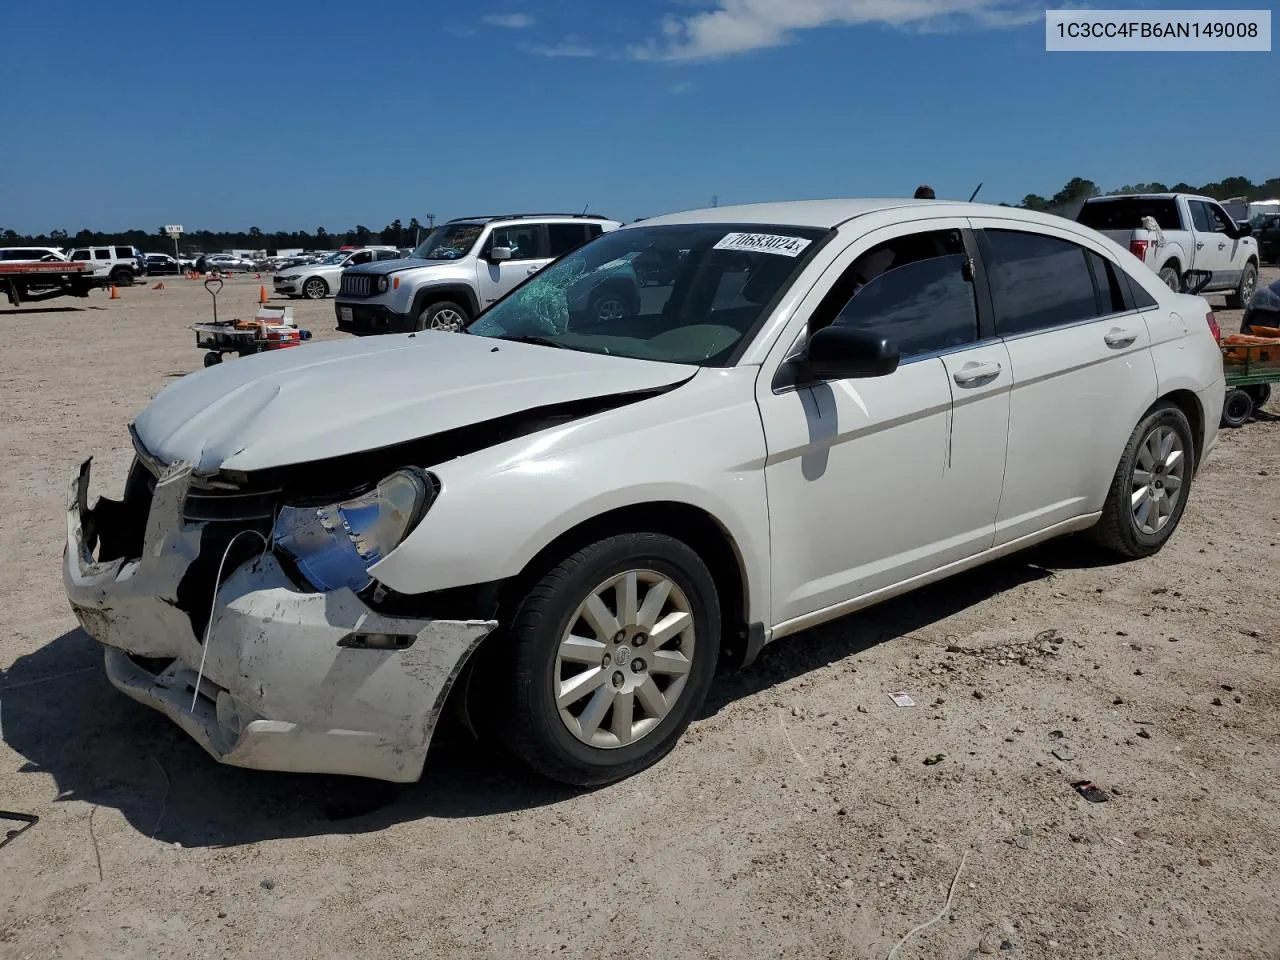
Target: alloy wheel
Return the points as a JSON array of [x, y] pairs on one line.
[[448, 320], [624, 661], [1157, 479]]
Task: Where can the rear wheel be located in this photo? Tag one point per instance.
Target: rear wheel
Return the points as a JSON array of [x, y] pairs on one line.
[[611, 655], [1169, 277], [1244, 291], [315, 289], [1259, 393], [1150, 487], [1237, 407], [445, 315]]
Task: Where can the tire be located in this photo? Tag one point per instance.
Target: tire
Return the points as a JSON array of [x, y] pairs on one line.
[[122, 277], [1244, 291], [610, 306], [564, 746], [314, 288], [1259, 393], [1237, 407], [1124, 527], [443, 315], [1169, 277], [212, 359]]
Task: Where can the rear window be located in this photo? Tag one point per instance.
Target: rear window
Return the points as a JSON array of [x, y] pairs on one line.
[[1126, 213]]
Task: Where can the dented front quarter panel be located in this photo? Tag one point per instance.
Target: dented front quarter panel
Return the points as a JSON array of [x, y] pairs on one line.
[[275, 690]]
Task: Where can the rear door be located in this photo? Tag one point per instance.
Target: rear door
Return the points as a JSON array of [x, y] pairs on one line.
[[1082, 370]]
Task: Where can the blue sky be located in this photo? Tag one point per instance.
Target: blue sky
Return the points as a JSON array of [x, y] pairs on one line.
[[289, 115]]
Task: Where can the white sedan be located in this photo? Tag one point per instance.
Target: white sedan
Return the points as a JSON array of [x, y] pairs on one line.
[[321, 279], [567, 519]]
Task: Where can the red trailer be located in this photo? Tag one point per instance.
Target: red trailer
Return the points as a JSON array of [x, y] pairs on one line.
[[46, 279]]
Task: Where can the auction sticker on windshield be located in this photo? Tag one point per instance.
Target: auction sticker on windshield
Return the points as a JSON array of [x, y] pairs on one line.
[[763, 243]]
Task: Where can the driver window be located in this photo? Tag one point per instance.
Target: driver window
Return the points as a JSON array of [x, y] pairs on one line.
[[363, 257], [523, 241], [1221, 223], [914, 290]]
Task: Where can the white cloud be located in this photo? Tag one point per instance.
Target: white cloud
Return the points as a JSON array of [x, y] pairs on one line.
[[511, 21], [737, 26], [567, 48]]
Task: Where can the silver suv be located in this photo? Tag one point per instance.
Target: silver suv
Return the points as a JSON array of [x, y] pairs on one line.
[[461, 268]]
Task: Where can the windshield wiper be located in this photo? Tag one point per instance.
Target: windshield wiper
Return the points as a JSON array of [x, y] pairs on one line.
[[533, 338]]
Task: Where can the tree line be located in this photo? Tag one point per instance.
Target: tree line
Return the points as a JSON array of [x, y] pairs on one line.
[[1066, 202], [210, 241]]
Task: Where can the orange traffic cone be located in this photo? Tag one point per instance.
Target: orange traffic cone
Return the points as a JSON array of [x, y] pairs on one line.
[[115, 294], [159, 286], [262, 294]]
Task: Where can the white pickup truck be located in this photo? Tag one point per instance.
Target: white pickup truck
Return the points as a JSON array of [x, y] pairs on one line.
[[1174, 233]]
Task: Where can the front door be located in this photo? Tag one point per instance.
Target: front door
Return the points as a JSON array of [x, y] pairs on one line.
[[873, 482], [495, 279], [1082, 372]]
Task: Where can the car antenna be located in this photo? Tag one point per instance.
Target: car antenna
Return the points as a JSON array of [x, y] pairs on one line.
[[584, 209], [975, 192]]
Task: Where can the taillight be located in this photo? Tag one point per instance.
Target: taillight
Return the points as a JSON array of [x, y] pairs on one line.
[[1139, 249], [1216, 330]]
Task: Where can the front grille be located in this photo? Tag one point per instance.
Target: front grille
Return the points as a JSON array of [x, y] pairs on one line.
[[356, 285]]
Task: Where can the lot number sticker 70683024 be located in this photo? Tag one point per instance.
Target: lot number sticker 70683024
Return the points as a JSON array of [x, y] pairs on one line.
[[763, 243]]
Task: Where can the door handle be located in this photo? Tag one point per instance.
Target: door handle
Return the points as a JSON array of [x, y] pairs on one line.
[[1222, 245], [1116, 337], [972, 373], [1199, 244], [534, 269]]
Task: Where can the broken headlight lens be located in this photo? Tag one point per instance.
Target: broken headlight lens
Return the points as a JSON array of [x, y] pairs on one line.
[[333, 546]]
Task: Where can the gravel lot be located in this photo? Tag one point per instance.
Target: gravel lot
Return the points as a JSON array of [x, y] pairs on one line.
[[796, 819]]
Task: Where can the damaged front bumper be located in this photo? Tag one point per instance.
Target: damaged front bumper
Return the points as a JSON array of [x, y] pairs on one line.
[[279, 686]]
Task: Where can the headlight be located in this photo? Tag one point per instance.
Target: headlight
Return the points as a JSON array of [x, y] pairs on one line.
[[383, 283], [334, 546], [291, 276]]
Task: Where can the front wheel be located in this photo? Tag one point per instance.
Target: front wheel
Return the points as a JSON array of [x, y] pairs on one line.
[[1244, 291], [315, 289], [1150, 487], [444, 315], [611, 655], [122, 278]]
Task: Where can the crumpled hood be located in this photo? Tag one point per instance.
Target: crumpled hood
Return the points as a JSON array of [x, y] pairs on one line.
[[323, 400]]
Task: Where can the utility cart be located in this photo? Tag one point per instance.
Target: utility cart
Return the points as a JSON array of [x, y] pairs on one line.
[[1251, 358], [271, 328]]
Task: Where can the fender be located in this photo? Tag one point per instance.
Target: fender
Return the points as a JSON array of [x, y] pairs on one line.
[[446, 290], [498, 507]]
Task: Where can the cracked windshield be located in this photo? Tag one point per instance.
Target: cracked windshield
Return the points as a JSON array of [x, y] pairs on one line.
[[681, 294]]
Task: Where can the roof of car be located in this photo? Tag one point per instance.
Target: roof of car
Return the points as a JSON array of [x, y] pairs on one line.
[[1151, 196], [832, 213], [489, 217]]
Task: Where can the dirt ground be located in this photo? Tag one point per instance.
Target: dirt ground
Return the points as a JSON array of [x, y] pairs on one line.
[[797, 818]]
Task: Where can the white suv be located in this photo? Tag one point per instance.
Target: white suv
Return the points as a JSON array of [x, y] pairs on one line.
[[470, 263], [816, 406], [120, 265]]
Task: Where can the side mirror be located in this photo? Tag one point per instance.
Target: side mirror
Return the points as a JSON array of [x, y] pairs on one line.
[[843, 353], [498, 254], [1244, 229]]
